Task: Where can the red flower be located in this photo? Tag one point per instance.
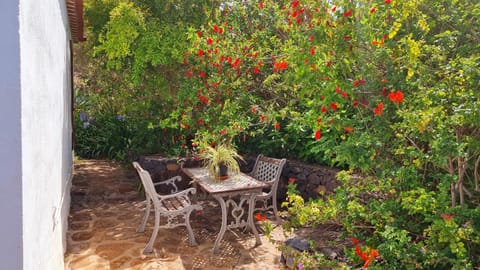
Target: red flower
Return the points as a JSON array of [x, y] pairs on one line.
[[311, 38], [329, 63], [334, 8], [256, 70], [346, 37], [358, 251], [396, 97], [388, 1], [259, 217], [277, 126], [203, 74], [318, 135], [348, 129], [223, 131], [254, 109], [319, 120], [295, 4], [280, 65], [235, 64], [260, 5], [378, 110], [344, 94], [217, 29], [199, 34], [209, 41], [384, 91], [358, 82], [367, 262], [200, 53], [324, 109], [354, 240], [337, 89], [333, 106], [292, 180], [372, 10], [347, 13], [203, 99], [312, 51], [262, 118]]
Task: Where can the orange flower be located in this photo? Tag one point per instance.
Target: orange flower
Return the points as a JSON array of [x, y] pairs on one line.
[[446, 217]]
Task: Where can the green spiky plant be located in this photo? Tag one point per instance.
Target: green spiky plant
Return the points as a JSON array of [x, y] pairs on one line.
[[221, 154]]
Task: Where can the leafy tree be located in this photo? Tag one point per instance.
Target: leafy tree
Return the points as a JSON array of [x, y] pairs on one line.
[[385, 88]]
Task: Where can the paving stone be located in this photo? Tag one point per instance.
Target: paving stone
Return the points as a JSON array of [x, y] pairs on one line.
[[103, 221], [82, 236]]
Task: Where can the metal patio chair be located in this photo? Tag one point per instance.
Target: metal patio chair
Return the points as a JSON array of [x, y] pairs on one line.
[[268, 170], [175, 207]]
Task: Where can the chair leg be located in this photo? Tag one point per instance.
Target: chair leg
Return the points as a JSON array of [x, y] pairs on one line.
[[191, 236], [141, 228], [149, 247], [274, 204]]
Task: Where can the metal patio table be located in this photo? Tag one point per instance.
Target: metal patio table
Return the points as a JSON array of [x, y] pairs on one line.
[[231, 193]]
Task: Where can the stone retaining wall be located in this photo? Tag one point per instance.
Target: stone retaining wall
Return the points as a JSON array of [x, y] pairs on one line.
[[310, 179]]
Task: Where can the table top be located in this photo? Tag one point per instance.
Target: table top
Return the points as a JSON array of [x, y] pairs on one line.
[[234, 183]]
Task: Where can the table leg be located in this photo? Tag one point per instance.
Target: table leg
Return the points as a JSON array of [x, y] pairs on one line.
[[224, 223], [250, 222]]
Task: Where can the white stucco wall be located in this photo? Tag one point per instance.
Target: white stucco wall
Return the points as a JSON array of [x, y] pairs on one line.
[[10, 139], [46, 155]]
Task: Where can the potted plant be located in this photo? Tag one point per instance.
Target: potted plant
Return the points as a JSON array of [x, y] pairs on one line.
[[220, 160]]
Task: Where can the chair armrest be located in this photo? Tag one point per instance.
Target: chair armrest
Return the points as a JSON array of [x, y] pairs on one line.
[[171, 182], [183, 193]]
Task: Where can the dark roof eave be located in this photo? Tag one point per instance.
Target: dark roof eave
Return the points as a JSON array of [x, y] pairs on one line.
[[75, 18]]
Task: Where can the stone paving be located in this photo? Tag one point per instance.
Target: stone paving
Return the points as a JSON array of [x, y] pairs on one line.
[[106, 210]]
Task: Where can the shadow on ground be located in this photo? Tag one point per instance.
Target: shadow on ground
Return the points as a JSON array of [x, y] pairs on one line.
[[106, 209]]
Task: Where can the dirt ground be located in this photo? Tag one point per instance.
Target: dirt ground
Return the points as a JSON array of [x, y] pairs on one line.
[[106, 209]]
